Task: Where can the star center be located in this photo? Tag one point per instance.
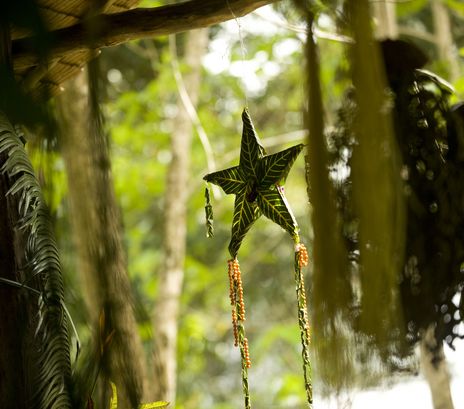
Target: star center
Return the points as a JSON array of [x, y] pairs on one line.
[[252, 191]]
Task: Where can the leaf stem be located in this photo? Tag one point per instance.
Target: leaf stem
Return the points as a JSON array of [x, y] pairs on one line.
[[301, 259]]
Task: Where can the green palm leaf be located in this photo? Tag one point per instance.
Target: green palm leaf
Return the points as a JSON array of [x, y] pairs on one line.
[[245, 214], [275, 167], [50, 360], [274, 206], [230, 180], [251, 149]]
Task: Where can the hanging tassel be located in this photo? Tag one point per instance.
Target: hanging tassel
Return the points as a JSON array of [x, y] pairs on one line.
[[208, 214], [238, 318], [301, 260]]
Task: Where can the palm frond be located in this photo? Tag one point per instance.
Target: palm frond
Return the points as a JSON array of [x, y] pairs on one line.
[[51, 355]]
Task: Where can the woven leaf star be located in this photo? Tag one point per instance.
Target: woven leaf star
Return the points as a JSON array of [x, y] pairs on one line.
[[256, 183]]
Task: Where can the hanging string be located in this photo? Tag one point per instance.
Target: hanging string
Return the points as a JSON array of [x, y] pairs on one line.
[[242, 48], [235, 280]]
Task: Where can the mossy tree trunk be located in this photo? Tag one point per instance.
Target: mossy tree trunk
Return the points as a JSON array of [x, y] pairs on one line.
[[101, 260], [12, 306], [15, 322]]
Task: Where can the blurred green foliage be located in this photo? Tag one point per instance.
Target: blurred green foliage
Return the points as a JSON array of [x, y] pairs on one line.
[[140, 110]]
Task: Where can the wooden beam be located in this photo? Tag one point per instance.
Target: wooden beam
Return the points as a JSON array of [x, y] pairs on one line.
[[106, 30]]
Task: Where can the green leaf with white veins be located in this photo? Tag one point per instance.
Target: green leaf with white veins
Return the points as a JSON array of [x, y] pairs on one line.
[[255, 183]]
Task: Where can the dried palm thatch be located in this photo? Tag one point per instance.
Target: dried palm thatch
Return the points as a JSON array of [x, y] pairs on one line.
[[75, 30], [46, 76]]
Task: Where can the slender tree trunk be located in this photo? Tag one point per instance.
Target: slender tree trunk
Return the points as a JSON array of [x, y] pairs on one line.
[[384, 12], [444, 39], [11, 374], [12, 301], [15, 323], [101, 260], [435, 370], [172, 273]]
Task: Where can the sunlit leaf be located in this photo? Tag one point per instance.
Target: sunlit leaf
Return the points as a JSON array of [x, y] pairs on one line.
[[251, 148], [114, 396], [159, 404], [408, 8], [245, 214], [457, 6], [274, 206], [276, 166], [231, 180]]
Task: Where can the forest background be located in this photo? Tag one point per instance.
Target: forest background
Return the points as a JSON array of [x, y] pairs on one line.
[[142, 84]]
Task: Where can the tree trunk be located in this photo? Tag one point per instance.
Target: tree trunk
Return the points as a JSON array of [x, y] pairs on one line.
[[384, 12], [12, 324], [172, 272], [11, 374], [96, 226], [435, 370], [444, 39], [17, 316]]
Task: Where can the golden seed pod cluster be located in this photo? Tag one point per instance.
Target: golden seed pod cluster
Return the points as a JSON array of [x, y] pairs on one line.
[[235, 327], [236, 288], [246, 353], [238, 305], [231, 282], [303, 258]]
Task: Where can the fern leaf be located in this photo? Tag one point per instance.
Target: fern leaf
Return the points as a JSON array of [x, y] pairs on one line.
[[51, 356]]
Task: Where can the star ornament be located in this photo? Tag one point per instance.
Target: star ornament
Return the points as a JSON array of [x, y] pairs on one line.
[[257, 185]]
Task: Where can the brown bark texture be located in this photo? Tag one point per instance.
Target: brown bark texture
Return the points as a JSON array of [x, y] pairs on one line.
[[12, 307], [15, 320], [435, 370], [101, 260], [172, 273]]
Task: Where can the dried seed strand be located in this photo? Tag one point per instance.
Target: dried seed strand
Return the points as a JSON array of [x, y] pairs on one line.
[[247, 353], [241, 302], [303, 257], [231, 283], [235, 327]]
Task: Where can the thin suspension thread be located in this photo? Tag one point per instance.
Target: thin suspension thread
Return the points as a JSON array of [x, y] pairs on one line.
[[242, 48]]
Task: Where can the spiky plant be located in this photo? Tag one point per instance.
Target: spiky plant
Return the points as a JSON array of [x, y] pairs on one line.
[[48, 360]]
